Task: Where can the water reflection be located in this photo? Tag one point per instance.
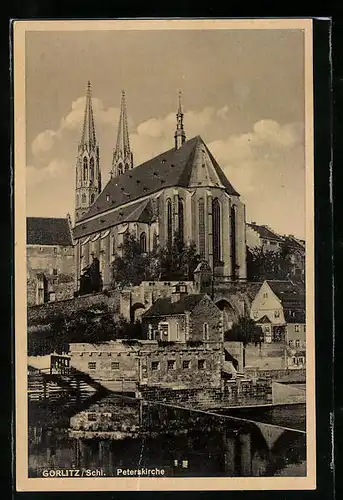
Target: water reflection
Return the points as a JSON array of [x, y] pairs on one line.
[[115, 432]]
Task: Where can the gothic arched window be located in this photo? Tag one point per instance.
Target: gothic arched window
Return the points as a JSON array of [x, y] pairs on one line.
[[92, 198], [169, 222], [91, 170], [155, 241], [233, 241], [77, 201], [181, 219], [201, 209], [85, 168], [127, 167], [83, 199], [120, 168], [216, 231], [142, 242]]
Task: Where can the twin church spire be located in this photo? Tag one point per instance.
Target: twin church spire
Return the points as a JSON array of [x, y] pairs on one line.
[[88, 174], [122, 155]]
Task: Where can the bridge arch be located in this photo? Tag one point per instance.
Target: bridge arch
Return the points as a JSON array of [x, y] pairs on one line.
[[136, 311], [229, 313]]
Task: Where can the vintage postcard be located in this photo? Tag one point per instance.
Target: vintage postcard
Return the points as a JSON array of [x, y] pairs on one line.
[[164, 255]]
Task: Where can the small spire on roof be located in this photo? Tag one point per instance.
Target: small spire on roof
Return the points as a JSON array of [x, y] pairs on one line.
[[179, 135]]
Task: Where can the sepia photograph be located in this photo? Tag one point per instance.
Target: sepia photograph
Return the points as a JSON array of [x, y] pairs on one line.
[[164, 255]]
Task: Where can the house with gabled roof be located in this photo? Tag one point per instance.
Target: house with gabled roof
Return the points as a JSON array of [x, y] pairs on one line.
[[184, 317], [181, 190], [262, 236], [50, 259], [277, 305]]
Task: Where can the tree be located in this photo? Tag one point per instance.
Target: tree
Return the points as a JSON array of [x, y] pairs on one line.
[[246, 331], [179, 260], [267, 264], [134, 265], [175, 261]]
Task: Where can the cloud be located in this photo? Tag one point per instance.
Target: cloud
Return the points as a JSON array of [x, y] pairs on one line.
[[43, 142], [72, 123], [267, 166]]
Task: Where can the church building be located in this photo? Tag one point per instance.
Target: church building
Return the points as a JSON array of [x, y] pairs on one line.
[[182, 189]]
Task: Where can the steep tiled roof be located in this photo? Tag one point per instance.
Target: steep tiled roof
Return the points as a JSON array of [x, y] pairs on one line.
[[48, 231], [141, 211], [292, 295], [164, 307], [171, 168], [265, 232], [294, 243]]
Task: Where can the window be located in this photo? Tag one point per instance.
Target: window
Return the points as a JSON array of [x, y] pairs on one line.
[[181, 219], [55, 250], [233, 240], [83, 199], [120, 169], [91, 171], [155, 365], [276, 314], [113, 245], [115, 365], [297, 343], [201, 209], [85, 167], [216, 231], [142, 242], [201, 364], [177, 331], [295, 360], [186, 364], [291, 343], [267, 329], [54, 272], [92, 417], [301, 360], [171, 364], [92, 365], [107, 197], [297, 328], [77, 201], [164, 331], [169, 222], [154, 241], [265, 295], [92, 198], [205, 331]]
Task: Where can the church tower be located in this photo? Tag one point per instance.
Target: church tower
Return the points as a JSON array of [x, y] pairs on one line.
[[88, 175], [180, 135], [122, 155]]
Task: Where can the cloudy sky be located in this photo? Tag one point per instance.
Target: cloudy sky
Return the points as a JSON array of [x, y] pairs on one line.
[[243, 92]]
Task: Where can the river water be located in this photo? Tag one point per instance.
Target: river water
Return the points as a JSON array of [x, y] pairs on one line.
[[111, 433]]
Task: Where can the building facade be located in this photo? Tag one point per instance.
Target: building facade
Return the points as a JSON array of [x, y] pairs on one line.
[[50, 259], [183, 318], [279, 308], [182, 190], [126, 367], [261, 236]]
